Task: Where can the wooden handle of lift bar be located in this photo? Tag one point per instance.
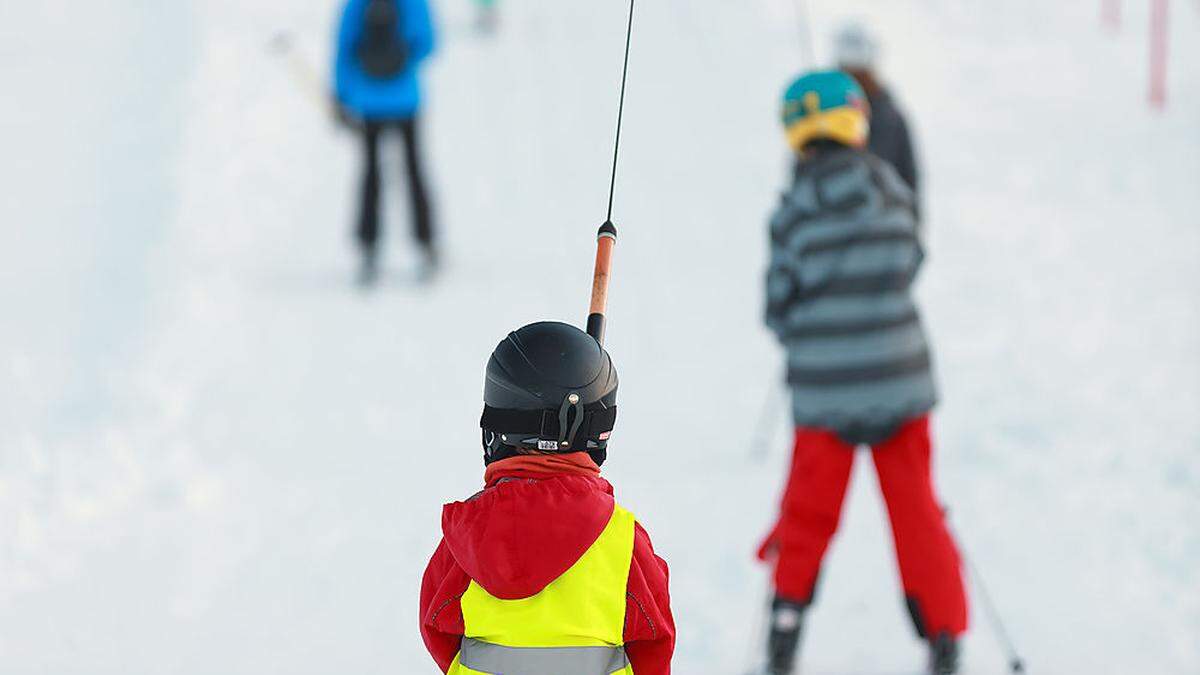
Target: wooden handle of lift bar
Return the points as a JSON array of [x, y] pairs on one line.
[[606, 240]]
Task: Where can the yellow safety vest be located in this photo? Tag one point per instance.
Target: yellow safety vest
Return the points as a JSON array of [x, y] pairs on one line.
[[575, 626]]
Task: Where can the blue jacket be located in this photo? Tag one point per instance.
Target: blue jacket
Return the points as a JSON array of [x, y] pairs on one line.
[[369, 98]]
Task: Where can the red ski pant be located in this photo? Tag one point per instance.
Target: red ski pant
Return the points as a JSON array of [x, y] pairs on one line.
[[812, 504]]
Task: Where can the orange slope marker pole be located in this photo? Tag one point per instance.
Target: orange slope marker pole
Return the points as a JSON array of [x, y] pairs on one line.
[[1159, 25]]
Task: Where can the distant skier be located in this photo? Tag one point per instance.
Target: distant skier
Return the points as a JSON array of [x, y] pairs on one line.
[[857, 51], [380, 45], [844, 254], [542, 571], [487, 16]]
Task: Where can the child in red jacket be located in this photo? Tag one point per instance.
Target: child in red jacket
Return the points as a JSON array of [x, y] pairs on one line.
[[543, 571]]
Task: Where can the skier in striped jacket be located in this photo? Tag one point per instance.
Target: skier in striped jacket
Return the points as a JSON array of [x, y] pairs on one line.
[[844, 254]]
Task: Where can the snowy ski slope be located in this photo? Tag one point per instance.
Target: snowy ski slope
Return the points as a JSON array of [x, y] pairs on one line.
[[216, 456]]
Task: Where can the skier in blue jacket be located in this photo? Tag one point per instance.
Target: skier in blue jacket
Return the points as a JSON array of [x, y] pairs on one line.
[[380, 45]]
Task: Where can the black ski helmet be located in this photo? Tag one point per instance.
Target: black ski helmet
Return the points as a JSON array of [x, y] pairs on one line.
[[550, 389]]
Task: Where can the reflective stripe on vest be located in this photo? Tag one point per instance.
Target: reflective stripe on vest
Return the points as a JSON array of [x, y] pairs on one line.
[[488, 658], [574, 626]]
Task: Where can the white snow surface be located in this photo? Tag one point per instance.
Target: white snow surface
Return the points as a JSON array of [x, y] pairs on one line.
[[217, 456]]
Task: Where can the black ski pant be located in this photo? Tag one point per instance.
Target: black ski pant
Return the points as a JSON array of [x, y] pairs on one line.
[[418, 197]]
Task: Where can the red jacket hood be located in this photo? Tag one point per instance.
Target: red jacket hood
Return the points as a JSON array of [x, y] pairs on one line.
[[520, 534]]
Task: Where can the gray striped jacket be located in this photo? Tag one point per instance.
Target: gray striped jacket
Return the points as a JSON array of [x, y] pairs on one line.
[[844, 253]]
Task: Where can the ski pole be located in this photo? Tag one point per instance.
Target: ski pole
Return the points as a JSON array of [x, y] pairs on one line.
[[283, 45], [806, 36], [1015, 663], [758, 633], [606, 237], [768, 421]]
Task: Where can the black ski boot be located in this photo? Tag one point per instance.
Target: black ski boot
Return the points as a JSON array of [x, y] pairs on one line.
[[787, 623], [943, 655]]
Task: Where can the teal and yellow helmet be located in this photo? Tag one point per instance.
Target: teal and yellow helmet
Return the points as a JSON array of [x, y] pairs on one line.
[[826, 104]]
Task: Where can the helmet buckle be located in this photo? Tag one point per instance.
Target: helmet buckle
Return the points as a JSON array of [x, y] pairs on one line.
[[566, 433]]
